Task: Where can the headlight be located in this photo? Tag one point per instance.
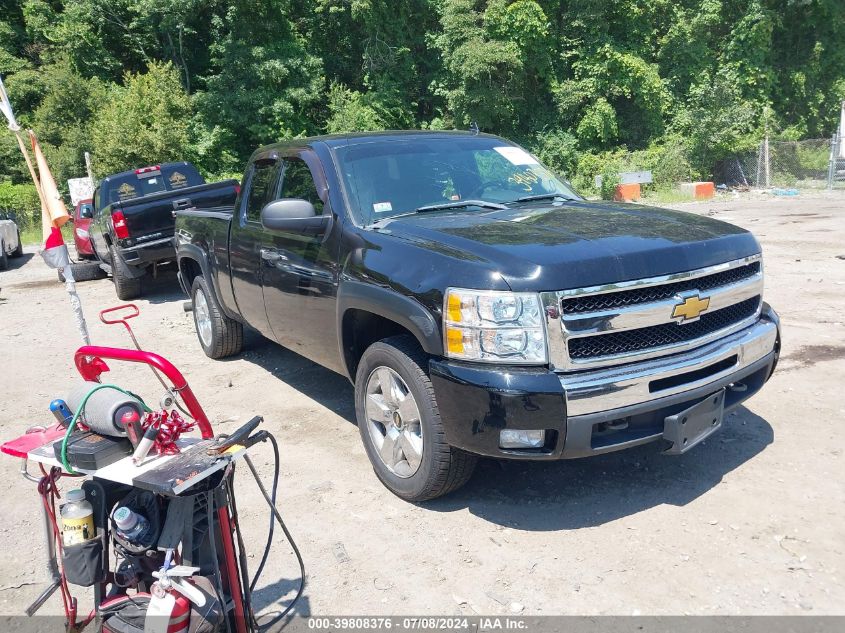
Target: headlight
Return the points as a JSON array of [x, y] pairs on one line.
[[82, 233], [491, 326]]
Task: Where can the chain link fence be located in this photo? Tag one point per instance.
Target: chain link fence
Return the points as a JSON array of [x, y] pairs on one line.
[[808, 164]]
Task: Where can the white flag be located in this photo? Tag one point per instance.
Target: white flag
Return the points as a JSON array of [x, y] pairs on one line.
[[6, 108]]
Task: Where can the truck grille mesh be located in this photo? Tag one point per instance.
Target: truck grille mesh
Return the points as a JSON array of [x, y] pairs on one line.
[[665, 334], [611, 300]]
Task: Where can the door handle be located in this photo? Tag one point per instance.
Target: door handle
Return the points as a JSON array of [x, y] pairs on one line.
[[269, 255]]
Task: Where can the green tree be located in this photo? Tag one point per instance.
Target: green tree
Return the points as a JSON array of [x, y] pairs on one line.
[[263, 84], [22, 199], [350, 111], [495, 63], [143, 122], [685, 82]]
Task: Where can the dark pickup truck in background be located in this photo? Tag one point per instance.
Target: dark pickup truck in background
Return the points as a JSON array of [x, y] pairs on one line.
[[132, 228], [478, 304]]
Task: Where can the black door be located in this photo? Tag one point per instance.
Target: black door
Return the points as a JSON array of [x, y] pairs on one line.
[[248, 238], [299, 272]]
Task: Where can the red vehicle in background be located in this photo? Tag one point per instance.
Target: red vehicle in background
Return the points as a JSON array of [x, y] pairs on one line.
[[83, 213], [86, 267]]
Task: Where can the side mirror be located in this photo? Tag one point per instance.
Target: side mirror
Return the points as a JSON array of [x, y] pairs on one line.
[[293, 215]]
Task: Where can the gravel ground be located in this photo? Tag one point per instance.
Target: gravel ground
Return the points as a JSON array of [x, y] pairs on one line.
[[752, 522]]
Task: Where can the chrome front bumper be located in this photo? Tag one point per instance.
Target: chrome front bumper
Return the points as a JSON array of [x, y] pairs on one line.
[[602, 391]]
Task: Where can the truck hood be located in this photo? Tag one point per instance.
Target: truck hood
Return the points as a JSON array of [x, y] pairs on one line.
[[576, 244]]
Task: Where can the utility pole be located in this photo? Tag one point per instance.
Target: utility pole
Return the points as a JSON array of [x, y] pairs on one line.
[[766, 144], [88, 167]]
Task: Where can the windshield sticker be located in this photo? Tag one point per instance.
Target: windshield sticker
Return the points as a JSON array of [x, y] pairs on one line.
[[516, 155], [527, 179], [382, 207], [126, 191], [177, 180]]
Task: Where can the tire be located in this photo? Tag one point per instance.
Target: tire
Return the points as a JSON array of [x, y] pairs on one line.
[[223, 336], [18, 252], [84, 271], [126, 287], [4, 259], [441, 468]]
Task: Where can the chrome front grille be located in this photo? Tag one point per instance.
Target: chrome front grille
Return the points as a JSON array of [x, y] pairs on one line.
[[635, 320], [661, 335], [610, 300]]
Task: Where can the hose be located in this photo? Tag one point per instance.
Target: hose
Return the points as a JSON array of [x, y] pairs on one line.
[[275, 488], [271, 501]]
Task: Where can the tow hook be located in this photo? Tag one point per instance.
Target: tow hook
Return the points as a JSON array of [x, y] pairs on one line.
[[738, 387]]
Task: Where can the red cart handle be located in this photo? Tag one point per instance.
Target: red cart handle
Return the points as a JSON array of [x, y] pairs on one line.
[[89, 362], [135, 312]]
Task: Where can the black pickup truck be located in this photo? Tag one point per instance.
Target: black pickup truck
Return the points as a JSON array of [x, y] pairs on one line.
[[478, 304], [132, 229]]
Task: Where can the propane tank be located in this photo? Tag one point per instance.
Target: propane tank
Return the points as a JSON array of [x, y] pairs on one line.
[[105, 408]]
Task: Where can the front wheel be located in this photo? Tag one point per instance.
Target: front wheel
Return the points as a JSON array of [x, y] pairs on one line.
[[400, 423], [4, 259], [218, 335]]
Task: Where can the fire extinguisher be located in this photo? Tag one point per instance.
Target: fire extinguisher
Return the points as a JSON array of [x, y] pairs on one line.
[[171, 598]]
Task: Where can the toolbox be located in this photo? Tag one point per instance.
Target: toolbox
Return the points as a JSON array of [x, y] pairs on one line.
[[90, 451]]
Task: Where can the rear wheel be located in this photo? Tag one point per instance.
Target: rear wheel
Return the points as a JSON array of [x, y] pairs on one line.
[[400, 423], [218, 335], [4, 259], [126, 287], [18, 252]]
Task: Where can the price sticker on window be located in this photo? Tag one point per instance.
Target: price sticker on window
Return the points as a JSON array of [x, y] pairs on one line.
[[516, 155]]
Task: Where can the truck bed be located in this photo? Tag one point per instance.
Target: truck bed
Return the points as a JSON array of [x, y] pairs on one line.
[[152, 217]]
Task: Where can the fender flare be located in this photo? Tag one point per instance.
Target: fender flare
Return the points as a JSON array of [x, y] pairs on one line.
[[198, 255], [387, 303]]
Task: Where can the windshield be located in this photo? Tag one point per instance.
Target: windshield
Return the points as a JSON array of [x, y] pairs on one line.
[[387, 178]]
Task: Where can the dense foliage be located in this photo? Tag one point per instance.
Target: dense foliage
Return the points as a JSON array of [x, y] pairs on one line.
[[682, 83]]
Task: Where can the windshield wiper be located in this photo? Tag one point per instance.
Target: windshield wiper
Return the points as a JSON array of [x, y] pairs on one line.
[[457, 204], [544, 196], [460, 204]]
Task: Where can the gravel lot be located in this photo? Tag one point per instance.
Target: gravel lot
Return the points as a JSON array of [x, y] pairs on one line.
[[752, 522]]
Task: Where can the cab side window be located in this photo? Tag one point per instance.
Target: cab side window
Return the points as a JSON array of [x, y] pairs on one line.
[[297, 182], [262, 188]]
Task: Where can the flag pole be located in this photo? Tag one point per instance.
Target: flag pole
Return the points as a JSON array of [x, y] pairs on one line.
[[55, 253], [53, 213]]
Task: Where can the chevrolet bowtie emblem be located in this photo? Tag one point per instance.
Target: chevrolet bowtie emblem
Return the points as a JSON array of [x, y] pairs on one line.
[[690, 308]]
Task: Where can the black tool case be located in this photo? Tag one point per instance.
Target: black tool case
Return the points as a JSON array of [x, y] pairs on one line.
[[90, 451]]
